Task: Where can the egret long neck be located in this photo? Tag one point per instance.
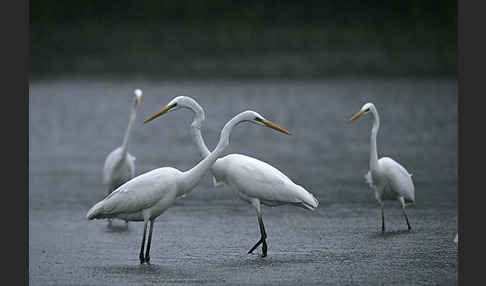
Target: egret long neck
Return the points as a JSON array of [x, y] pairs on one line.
[[192, 176], [196, 132], [374, 132], [126, 138]]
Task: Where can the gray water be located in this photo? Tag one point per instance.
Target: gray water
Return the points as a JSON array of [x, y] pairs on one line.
[[204, 238]]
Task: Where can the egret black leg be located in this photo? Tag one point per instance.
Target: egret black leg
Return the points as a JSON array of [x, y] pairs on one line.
[[262, 238], [142, 260], [147, 252], [262, 231], [406, 218], [382, 218], [402, 201]]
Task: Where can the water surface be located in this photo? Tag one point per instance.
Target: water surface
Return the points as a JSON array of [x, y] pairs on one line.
[[203, 239]]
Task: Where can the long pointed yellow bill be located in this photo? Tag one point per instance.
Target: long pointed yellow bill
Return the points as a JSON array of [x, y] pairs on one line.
[[356, 116], [162, 111], [139, 99], [275, 126]]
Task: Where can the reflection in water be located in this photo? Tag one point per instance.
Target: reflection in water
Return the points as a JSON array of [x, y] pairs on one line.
[[115, 227]]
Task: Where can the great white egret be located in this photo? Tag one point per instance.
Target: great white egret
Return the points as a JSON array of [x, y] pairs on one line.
[[147, 196], [119, 166], [389, 179], [255, 181]]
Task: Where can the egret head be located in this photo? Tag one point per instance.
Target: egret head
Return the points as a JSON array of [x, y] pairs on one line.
[[138, 97], [365, 109], [176, 103], [256, 118]]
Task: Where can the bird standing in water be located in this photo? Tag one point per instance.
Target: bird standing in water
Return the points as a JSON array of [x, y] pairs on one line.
[[389, 179], [119, 165], [254, 181], [147, 196]]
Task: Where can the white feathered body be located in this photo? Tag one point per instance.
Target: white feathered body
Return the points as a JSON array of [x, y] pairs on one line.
[[144, 197], [390, 181], [251, 178], [118, 169]]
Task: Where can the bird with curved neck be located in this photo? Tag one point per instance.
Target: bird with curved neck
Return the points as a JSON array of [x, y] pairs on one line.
[[389, 179], [147, 196], [254, 181]]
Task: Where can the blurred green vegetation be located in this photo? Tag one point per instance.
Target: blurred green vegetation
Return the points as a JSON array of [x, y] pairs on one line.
[[244, 38]]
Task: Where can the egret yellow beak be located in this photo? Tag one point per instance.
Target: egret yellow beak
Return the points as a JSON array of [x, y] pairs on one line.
[[356, 116], [162, 111], [274, 126], [139, 99]]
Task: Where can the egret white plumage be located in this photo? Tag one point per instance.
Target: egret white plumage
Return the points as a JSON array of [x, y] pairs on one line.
[[147, 196], [254, 181], [389, 179], [119, 165]]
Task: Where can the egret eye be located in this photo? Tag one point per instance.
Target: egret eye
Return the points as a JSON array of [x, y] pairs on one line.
[[258, 119]]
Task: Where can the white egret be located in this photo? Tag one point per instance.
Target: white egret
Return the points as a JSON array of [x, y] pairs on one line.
[[456, 239], [119, 165], [254, 181], [147, 196], [389, 179]]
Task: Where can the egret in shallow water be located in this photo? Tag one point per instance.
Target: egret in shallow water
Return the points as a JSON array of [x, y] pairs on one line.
[[254, 181], [119, 165], [389, 179], [147, 196]]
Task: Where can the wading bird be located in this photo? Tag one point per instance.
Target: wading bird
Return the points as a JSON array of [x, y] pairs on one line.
[[254, 181], [119, 166], [389, 179], [147, 196]]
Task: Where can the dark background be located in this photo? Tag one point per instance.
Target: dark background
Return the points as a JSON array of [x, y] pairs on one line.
[[222, 38]]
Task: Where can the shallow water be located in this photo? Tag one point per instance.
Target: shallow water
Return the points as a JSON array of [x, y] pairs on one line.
[[74, 124]]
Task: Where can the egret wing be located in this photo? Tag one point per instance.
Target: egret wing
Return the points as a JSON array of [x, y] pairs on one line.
[[111, 161], [139, 193], [398, 177], [260, 180]]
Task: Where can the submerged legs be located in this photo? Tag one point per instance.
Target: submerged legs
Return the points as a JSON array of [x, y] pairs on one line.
[[256, 204]]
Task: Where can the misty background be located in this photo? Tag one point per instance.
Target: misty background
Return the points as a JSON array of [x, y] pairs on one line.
[[258, 39]]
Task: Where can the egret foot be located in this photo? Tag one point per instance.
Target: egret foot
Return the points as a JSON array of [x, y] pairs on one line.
[[264, 247]]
